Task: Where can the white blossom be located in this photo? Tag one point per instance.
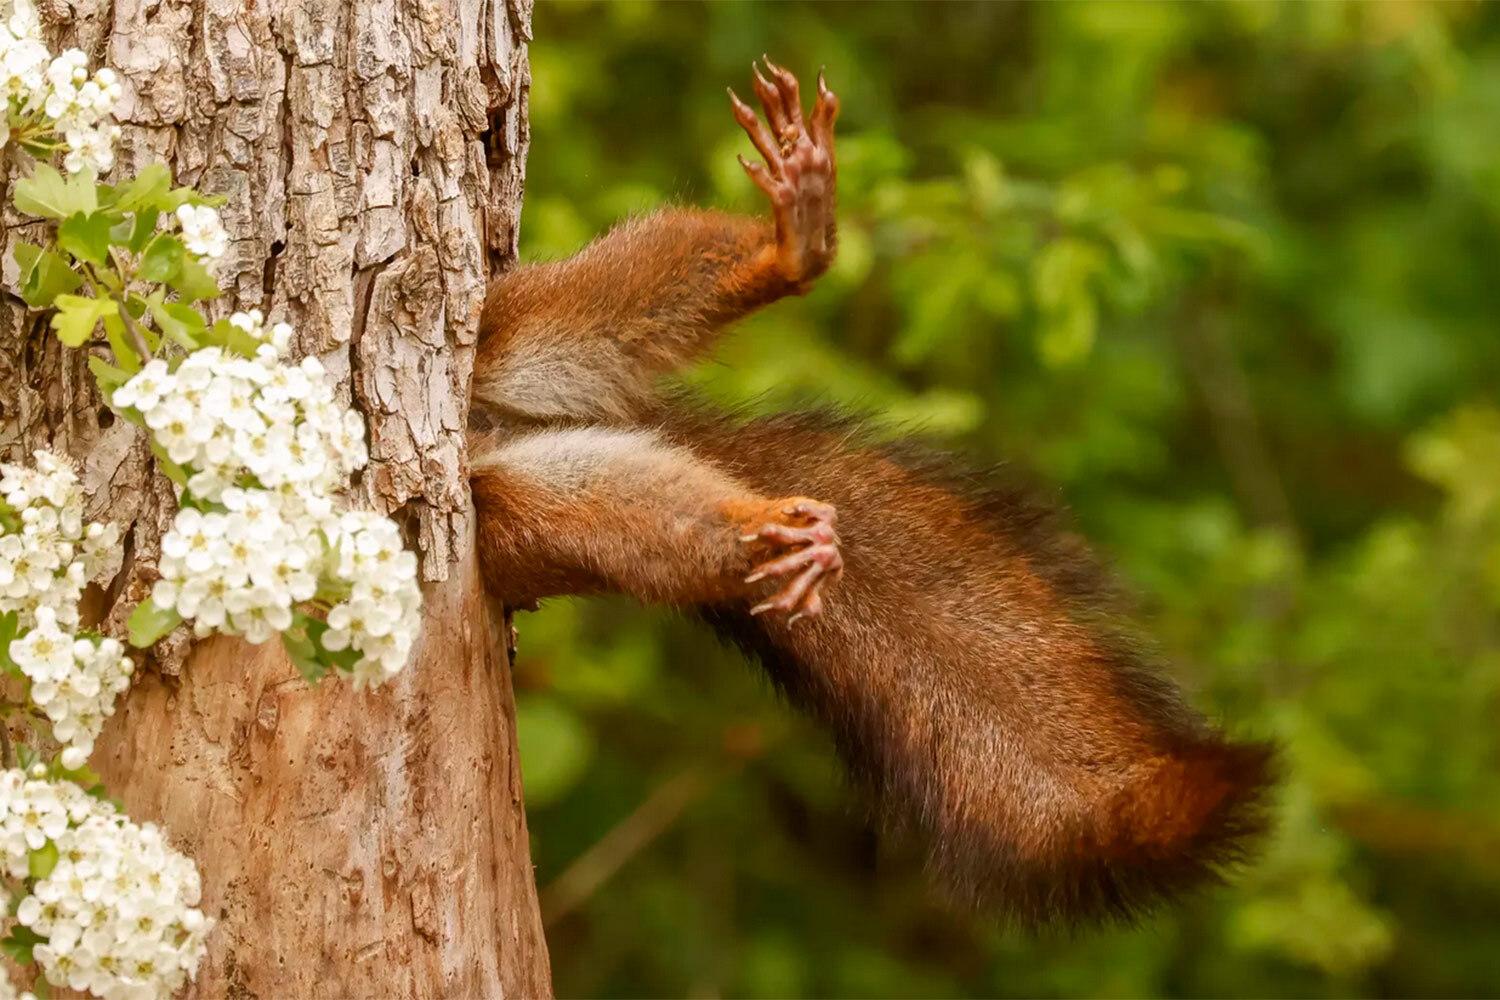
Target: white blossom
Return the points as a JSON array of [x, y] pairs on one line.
[[81, 693], [268, 443], [145, 390], [45, 652], [58, 93], [229, 417], [202, 231], [119, 910], [91, 148], [47, 556], [381, 616], [47, 553], [240, 571]]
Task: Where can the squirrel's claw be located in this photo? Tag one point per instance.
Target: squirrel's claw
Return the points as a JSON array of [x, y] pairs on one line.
[[799, 172], [770, 100], [825, 112], [760, 137], [788, 92], [813, 562]]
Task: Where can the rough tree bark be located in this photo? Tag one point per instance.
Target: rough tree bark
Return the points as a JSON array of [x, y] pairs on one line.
[[372, 155]]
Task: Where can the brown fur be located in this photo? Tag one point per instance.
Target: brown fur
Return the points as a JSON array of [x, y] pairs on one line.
[[588, 337], [970, 665], [979, 685], [579, 510]]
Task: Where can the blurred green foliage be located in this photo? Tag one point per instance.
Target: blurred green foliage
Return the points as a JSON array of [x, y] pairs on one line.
[[1225, 276]]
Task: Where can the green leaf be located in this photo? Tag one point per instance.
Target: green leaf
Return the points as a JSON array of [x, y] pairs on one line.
[[9, 626], [142, 228], [230, 337], [84, 777], [146, 190], [77, 316], [19, 942], [40, 862], [26, 255], [177, 197], [343, 659], [46, 193], [182, 323], [107, 375], [194, 281], [163, 258], [304, 653], [138, 306], [124, 350], [171, 469], [149, 623], [86, 236], [44, 275], [304, 645]]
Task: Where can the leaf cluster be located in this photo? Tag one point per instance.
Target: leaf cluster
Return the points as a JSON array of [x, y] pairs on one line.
[[112, 265]]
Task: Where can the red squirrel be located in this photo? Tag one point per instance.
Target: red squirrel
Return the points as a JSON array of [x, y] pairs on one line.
[[963, 649]]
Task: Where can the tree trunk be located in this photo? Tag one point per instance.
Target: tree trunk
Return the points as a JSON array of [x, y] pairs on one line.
[[372, 156]]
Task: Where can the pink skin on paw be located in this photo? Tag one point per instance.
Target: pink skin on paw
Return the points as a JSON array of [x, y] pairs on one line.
[[799, 172], [813, 562]]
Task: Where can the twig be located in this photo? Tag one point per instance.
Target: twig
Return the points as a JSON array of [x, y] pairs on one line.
[[137, 337], [599, 863], [136, 333], [1233, 421]]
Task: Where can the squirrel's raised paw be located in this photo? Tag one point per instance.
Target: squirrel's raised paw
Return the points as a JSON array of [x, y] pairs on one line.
[[798, 175], [806, 527]]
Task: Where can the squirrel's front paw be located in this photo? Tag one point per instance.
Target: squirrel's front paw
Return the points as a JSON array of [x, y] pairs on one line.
[[807, 528], [799, 172]]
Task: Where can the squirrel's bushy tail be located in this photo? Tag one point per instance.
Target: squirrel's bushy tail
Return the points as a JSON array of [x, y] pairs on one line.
[[976, 684]]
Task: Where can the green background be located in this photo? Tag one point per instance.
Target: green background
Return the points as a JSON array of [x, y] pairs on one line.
[[1226, 278]]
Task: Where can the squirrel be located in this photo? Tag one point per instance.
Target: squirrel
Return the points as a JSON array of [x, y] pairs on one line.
[[965, 651]]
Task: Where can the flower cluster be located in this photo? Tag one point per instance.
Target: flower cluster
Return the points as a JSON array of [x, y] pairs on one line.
[[47, 553], [78, 105], [226, 416], [23, 55], [239, 572], [75, 681], [265, 447], [260, 447], [203, 231], [118, 909], [57, 95], [380, 617], [44, 565]]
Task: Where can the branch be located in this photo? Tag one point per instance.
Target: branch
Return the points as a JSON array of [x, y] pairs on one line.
[[137, 335], [1234, 422], [599, 863]]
